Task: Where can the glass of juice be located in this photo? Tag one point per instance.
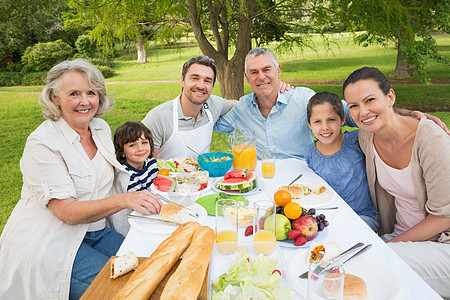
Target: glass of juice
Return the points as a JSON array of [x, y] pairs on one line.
[[264, 227], [226, 225], [268, 161]]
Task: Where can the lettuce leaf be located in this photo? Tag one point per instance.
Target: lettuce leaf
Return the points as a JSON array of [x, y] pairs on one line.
[[248, 279]]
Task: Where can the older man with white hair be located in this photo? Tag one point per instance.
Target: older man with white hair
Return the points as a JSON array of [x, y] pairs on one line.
[[279, 119]]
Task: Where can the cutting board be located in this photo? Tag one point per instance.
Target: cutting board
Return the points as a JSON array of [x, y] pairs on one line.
[[105, 288]]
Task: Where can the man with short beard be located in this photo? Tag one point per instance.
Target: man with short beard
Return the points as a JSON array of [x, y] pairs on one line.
[[188, 120]]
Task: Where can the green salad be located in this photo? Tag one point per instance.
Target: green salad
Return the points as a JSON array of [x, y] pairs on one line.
[[251, 279]]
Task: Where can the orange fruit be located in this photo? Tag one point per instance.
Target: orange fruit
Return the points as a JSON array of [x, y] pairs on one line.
[[292, 210], [282, 197], [164, 172]]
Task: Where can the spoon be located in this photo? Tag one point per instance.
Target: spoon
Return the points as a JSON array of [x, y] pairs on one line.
[[204, 158]]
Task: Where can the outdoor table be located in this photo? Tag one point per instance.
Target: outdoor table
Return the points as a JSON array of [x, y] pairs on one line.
[[346, 229]]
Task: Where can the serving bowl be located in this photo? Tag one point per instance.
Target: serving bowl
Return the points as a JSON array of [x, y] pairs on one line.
[[215, 168]]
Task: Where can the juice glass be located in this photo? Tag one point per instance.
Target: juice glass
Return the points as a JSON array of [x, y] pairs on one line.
[[244, 157], [226, 225], [268, 162], [264, 227]]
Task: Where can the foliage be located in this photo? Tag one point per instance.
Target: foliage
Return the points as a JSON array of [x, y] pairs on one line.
[[407, 23], [85, 46], [22, 78], [43, 56], [24, 23], [106, 71]]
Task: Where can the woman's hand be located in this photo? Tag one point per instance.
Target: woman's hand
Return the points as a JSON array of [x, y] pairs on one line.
[[71, 211], [285, 87], [144, 201], [424, 230]]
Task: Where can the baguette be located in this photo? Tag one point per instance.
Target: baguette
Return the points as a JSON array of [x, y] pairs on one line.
[[187, 280], [148, 275]]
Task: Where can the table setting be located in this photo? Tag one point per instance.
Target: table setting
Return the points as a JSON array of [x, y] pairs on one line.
[[385, 275]]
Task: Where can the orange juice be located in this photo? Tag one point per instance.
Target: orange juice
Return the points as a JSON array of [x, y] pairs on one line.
[[244, 157], [264, 242], [228, 237], [268, 169]]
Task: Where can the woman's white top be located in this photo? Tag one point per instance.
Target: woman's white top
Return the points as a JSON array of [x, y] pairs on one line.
[[37, 250], [105, 177], [399, 183]]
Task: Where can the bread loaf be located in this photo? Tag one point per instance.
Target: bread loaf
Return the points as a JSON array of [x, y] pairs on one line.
[[149, 274], [187, 280]]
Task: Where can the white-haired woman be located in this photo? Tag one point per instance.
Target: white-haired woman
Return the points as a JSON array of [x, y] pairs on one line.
[[70, 218]]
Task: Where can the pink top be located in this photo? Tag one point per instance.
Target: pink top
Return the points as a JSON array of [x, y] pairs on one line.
[[399, 183]]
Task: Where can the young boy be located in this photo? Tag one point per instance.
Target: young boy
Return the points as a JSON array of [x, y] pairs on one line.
[[133, 143]]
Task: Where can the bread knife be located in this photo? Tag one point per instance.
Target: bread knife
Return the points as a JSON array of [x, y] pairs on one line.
[[189, 210], [154, 218]]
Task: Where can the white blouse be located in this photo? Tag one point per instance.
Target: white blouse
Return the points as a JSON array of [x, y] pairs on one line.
[[37, 250]]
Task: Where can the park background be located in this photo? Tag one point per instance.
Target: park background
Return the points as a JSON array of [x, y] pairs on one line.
[[143, 68]]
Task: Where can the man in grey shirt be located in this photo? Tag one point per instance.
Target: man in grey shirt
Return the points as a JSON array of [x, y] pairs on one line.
[[188, 120]]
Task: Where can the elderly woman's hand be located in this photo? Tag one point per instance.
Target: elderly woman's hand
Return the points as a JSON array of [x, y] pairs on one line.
[[145, 202]]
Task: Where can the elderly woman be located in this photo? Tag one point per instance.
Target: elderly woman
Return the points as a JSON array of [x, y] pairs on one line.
[[408, 170], [70, 218]]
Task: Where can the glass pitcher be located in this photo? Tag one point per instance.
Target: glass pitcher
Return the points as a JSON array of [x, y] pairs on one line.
[[241, 142]]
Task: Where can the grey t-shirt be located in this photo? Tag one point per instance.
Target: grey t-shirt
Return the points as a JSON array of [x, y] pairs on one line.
[[160, 121]]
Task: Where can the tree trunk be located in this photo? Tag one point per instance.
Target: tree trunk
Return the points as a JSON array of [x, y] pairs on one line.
[[402, 68], [231, 77], [230, 72], [140, 45]]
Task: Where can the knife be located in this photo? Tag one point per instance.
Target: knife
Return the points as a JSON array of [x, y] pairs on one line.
[[189, 210], [349, 250], [154, 218], [296, 178]]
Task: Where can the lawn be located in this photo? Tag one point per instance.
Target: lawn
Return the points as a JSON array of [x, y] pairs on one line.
[[21, 114]]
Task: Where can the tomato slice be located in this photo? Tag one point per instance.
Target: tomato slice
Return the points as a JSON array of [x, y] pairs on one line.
[[277, 271]]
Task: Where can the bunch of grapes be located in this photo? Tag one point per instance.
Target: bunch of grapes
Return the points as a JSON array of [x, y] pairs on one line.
[[320, 218]]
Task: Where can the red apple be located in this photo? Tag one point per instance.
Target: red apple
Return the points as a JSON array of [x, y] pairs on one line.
[[307, 226]]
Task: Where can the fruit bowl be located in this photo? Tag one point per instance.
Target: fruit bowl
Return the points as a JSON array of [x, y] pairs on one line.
[[207, 162]]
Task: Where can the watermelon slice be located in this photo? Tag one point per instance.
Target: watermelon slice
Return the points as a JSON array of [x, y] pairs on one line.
[[236, 174], [242, 185], [165, 183], [232, 184]]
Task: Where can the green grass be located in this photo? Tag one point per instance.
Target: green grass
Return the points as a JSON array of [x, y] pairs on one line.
[[21, 114]]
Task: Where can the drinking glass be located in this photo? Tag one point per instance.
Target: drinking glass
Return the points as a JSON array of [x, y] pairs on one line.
[[264, 225], [268, 161], [327, 283], [226, 225]]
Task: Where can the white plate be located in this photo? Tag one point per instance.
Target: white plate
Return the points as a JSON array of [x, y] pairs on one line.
[[321, 235], [163, 228], [259, 188], [381, 280], [195, 195], [221, 263], [312, 200]]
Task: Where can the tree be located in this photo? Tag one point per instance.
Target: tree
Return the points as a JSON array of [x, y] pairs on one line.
[[222, 28], [108, 20], [24, 23], [406, 23]]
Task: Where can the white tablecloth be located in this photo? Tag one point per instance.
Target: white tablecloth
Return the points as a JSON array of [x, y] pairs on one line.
[[345, 228]]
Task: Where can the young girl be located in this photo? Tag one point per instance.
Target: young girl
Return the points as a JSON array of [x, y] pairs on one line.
[[134, 149], [336, 156]]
